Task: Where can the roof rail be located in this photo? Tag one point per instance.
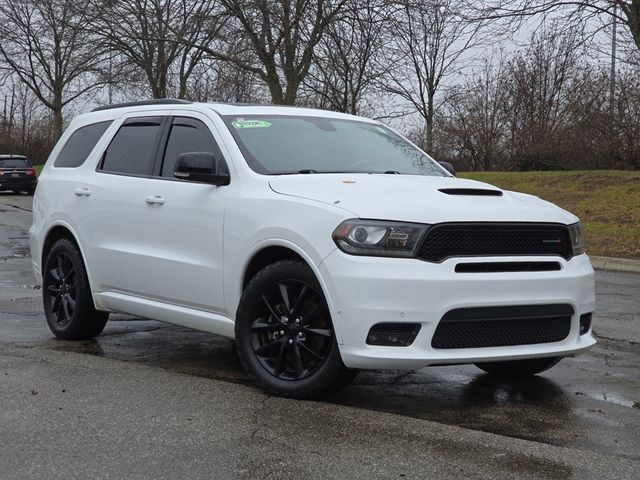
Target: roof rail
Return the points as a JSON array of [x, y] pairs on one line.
[[157, 101]]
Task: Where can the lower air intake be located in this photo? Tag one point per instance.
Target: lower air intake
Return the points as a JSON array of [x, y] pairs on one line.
[[503, 326]]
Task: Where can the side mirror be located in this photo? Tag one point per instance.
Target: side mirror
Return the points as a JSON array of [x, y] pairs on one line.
[[448, 167], [202, 167]]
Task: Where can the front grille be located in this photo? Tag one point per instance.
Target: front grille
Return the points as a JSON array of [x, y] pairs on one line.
[[503, 326], [447, 240]]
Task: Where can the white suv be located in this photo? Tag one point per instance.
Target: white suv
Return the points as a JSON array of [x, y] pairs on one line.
[[322, 243]]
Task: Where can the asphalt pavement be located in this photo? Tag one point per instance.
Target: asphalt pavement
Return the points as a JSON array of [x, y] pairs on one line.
[[147, 400]]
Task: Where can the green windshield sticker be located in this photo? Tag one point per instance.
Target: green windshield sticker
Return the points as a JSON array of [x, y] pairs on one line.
[[242, 123]]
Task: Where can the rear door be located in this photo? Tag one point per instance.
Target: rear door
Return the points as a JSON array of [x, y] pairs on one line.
[[116, 229]]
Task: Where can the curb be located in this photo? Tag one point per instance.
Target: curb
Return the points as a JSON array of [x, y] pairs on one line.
[[615, 264]]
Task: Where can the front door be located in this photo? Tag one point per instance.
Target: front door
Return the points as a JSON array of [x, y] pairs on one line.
[[185, 222]]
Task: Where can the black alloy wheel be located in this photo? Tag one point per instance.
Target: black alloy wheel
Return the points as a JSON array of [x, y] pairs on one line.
[[284, 333], [68, 304], [60, 281], [291, 334]]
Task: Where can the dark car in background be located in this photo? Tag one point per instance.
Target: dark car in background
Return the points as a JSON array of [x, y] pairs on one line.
[[17, 174]]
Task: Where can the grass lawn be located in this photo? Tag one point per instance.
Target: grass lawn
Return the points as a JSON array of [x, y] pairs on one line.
[[607, 202]]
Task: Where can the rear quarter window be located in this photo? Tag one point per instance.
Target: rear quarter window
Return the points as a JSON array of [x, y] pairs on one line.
[[80, 144]]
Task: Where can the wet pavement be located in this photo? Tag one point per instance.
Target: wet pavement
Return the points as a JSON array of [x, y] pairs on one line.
[[579, 420]]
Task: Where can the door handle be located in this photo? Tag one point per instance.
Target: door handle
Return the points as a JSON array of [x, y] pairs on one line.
[[82, 192], [154, 200]]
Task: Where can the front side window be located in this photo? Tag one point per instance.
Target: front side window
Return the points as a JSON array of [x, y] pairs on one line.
[[133, 149], [285, 144], [187, 135], [80, 145]]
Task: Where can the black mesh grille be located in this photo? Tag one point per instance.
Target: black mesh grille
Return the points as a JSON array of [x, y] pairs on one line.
[[503, 326], [488, 239], [496, 267]]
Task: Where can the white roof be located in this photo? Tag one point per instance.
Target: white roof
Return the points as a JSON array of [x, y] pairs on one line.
[[220, 108]]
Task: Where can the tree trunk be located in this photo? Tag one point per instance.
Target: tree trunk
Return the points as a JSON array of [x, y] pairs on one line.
[[275, 89], [291, 93], [429, 121], [58, 120], [633, 21]]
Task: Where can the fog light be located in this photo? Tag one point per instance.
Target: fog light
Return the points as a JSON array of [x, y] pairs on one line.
[[585, 323], [393, 334]]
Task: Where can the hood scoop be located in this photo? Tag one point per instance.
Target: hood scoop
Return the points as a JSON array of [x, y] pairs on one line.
[[473, 192]]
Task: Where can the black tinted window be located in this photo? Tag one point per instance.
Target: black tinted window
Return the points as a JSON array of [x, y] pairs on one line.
[[14, 163], [80, 145], [132, 150], [187, 135]]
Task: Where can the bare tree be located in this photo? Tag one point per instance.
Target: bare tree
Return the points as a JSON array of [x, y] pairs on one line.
[[626, 122], [547, 107], [9, 107], [158, 37], [44, 43], [539, 82], [431, 40], [348, 60], [572, 12], [475, 117], [25, 122], [224, 82], [281, 36]]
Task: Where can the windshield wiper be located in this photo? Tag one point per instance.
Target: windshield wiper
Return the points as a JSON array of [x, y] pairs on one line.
[[308, 170]]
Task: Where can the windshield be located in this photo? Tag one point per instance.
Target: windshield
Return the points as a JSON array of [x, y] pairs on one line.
[[283, 144], [14, 163]]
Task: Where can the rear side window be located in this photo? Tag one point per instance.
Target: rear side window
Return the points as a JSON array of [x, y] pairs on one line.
[[133, 149], [187, 135], [80, 145], [14, 163]]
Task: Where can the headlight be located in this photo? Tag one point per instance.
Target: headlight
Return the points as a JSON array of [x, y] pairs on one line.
[[577, 238], [378, 238]]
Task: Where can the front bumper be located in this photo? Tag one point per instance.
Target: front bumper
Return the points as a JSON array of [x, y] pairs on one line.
[[364, 291]]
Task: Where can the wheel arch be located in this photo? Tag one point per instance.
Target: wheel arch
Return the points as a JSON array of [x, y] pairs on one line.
[[266, 256], [55, 232], [270, 251]]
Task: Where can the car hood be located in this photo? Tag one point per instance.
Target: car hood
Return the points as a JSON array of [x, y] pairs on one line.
[[414, 198]]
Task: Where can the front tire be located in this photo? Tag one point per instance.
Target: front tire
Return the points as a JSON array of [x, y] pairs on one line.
[[285, 336], [68, 305], [518, 368]]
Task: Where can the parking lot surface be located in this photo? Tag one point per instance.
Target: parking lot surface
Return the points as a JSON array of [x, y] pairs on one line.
[[150, 400]]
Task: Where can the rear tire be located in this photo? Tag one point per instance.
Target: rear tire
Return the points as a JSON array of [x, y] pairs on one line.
[[518, 368], [68, 305], [284, 334]]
